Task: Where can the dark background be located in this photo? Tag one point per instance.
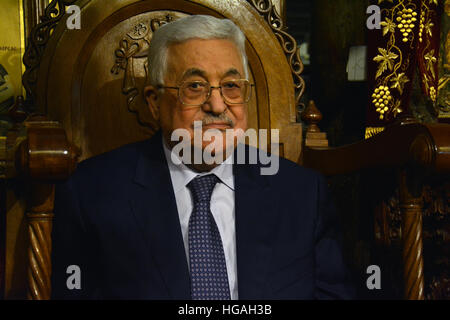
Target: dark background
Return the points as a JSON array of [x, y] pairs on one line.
[[331, 27]]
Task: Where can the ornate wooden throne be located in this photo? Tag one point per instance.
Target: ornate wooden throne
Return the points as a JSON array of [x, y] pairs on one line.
[[87, 83]]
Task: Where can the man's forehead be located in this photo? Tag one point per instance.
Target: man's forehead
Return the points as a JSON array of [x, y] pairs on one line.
[[204, 58]]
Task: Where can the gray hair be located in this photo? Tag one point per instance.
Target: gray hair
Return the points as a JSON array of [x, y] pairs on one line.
[[186, 28]]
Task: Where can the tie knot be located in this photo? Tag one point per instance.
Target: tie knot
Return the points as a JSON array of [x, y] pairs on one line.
[[202, 187]]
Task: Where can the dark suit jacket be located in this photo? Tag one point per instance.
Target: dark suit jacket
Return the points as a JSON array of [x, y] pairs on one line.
[[116, 218]]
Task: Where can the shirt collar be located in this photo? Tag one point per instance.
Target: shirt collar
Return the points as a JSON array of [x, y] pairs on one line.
[[181, 174]]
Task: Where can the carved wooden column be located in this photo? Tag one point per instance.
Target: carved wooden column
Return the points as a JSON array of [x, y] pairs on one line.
[[429, 152], [42, 158], [411, 206], [39, 217]]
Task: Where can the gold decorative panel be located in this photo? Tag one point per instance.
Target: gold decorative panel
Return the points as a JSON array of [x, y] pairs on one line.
[[11, 51]]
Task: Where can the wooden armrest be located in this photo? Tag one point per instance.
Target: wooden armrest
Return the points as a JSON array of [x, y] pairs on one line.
[[427, 145], [38, 153]]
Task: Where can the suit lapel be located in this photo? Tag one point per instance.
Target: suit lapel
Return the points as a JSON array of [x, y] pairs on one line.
[[254, 206], [155, 210]]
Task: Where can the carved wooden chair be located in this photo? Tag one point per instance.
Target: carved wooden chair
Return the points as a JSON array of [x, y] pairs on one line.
[[414, 153], [88, 85]]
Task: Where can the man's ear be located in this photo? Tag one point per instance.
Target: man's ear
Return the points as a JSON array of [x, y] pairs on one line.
[[152, 98]]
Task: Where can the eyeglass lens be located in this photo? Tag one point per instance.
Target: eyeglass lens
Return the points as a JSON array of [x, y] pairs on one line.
[[197, 92]]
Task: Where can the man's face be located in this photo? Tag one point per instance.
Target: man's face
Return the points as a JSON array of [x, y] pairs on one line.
[[199, 60]]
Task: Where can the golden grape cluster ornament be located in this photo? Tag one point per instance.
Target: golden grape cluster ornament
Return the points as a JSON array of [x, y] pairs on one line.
[[406, 25], [406, 21], [421, 26], [382, 99], [391, 75]]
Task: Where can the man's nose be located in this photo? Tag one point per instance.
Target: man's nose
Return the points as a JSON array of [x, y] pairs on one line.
[[215, 103]]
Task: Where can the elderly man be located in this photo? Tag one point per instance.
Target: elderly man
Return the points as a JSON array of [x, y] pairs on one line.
[[134, 223]]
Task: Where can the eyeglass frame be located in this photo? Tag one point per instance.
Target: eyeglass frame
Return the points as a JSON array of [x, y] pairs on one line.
[[209, 93]]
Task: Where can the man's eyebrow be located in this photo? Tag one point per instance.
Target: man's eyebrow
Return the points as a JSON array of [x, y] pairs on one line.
[[232, 72], [194, 72]]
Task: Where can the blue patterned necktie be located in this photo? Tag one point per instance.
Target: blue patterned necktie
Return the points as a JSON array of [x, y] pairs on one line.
[[209, 279]]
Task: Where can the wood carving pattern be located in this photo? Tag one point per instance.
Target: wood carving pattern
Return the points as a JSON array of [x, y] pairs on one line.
[[38, 40], [388, 221], [436, 231], [133, 46], [39, 268], [436, 206], [288, 43], [439, 289], [395, 219], [437, 202]]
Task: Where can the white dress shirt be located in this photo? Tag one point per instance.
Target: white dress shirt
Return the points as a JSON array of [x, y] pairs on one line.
[[222, 209]]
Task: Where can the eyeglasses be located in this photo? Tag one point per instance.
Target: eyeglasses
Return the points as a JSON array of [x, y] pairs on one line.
[[196, 93]]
